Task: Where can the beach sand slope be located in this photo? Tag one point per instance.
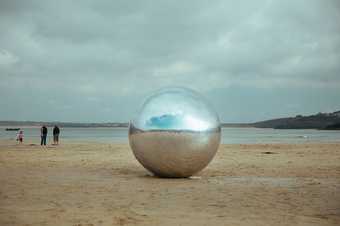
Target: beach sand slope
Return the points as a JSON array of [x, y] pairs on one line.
[[103, 184]]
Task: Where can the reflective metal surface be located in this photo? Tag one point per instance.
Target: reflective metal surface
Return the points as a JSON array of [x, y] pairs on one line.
[[175, 134]]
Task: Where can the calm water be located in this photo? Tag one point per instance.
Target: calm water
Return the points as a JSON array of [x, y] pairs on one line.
[[229, 135]]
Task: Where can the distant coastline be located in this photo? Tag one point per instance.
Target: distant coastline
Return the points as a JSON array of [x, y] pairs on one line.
[[321, 121], [327, 121], [16, 124], [61, 124]]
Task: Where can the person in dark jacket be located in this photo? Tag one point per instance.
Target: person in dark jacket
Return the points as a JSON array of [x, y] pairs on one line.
[[43, 135], [56, 132]]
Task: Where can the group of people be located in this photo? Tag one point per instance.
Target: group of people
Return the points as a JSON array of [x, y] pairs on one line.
[[43, 135]]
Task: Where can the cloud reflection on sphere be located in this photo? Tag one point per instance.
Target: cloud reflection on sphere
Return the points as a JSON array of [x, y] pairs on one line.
[[176, 133]]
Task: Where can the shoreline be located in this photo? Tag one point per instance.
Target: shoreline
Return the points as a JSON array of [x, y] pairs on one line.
[[104, 140]]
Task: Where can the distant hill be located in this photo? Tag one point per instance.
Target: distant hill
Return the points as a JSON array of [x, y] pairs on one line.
[[327, 121], [333, 127], [237, 125], [317, 121]]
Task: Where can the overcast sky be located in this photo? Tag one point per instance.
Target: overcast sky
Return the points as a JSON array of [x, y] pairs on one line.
[[96, 61]]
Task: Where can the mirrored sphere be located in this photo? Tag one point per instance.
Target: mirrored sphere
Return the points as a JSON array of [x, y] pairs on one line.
[[176, 133]]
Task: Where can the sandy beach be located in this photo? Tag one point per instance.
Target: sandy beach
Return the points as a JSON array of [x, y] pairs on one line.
[[102, 184]]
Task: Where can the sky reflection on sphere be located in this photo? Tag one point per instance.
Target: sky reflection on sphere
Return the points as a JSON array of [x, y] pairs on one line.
[[176, 133], [176, 109]]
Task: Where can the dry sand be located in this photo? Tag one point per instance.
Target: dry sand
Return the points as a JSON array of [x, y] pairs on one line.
[[103, 184]]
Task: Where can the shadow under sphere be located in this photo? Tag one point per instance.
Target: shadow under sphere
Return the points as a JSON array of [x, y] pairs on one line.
[[176, 133]]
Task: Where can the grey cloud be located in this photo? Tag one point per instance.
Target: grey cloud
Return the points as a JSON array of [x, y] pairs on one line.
[[74, 55]]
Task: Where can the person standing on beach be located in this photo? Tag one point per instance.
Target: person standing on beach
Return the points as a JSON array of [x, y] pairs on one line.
[[20, 136], [56, 132], [43, 132]]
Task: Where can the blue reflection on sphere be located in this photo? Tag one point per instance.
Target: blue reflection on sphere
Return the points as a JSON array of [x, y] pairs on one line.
[[176, 133]]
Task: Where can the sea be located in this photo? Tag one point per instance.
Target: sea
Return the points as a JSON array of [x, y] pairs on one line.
[[229, 135]]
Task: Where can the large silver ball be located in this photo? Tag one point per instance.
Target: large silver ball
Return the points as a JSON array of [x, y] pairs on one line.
[[175, 134]]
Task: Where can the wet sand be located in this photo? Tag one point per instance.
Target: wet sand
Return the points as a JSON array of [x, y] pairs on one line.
[[103, 184]]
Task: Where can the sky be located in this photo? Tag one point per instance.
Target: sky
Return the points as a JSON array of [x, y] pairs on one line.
[[97, 61]]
